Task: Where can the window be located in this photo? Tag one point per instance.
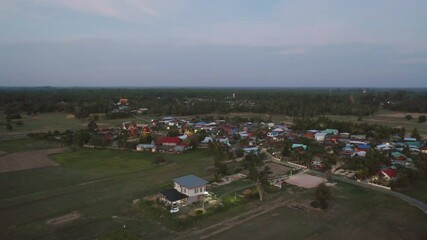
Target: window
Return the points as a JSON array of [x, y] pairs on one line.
[[201, 189], [185, 190], [196, 190]]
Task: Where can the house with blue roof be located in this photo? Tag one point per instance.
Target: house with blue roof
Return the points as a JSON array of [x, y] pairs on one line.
[[187, 189]]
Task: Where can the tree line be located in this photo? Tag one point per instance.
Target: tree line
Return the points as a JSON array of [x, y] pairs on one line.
[[187, 101]]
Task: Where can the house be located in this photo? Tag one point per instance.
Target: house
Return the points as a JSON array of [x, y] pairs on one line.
[[320, 137], [398, 156], [123, 102], [207, 140], [146, 147], [308, 135], [358, 137], [243, 134], [388, 173], [172, 197], [188, 189], [299, 147], [251, 149], [361, 147], [331, 131], [409, 139], [385, 147], [169, 141]]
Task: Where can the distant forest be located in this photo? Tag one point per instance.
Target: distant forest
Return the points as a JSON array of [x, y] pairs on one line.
[[191, 101]]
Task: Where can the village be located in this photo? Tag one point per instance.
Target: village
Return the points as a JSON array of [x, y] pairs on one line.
[[210, 171], [293, 157]]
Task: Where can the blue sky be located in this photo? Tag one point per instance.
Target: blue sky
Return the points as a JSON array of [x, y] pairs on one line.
[[230, 43]]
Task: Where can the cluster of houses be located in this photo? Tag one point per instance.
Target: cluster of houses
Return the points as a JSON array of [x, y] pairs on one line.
[[254, 136], [356, 147], [251, 137]]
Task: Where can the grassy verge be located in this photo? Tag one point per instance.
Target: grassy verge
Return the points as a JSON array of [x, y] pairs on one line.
[[417, 190], [27, 144]]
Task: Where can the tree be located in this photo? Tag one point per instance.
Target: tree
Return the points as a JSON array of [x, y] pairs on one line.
[[9, 126], [146, 139], [221, 154], [286, 149], [258, 173], [193, 141], [82, 137], [96, 140], [421, 118], [415, 134], [408, 117], [92, 126], [322, 194]]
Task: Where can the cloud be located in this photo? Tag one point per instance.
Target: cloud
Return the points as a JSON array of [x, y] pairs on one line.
[[412, 61], [292, 51], [119, 9], [269, 34]]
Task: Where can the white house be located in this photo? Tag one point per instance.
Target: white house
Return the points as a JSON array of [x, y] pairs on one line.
[[320, 136], [187, 189], [192, 186]]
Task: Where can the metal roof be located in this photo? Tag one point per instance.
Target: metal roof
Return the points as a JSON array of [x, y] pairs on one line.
[[190, 181]]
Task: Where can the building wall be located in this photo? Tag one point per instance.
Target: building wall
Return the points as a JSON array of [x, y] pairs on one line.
[[190, 192]]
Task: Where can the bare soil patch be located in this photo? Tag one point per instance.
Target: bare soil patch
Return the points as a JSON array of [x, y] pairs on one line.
[[277, 169], [64, 218], [305, 180], [29, 160]]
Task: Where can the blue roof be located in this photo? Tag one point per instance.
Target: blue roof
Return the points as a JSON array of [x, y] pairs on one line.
[[363, 146], [190, 181]]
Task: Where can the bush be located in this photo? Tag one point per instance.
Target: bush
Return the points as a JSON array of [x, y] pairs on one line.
[[199, 212], [421, 118], [19, 123], [408, 117], [315, 204]]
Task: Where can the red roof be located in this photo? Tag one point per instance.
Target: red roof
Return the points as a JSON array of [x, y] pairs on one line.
[[308, 135], [175, 140], [389, 172]]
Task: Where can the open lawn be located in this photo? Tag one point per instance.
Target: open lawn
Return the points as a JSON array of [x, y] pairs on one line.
[[90, 194], [233, 187], [59, 121], [92, 184], [45, 122], [27, 144], [354, 213], [417, 190]]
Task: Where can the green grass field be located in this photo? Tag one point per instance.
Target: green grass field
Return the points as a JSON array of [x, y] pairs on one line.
[[97, 183], [100, 184], [60, 121], [389, 118], [417, 190], [28, 144], [354, 213]]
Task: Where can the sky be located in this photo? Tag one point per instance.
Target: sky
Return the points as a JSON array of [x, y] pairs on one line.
[[220, 43]]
